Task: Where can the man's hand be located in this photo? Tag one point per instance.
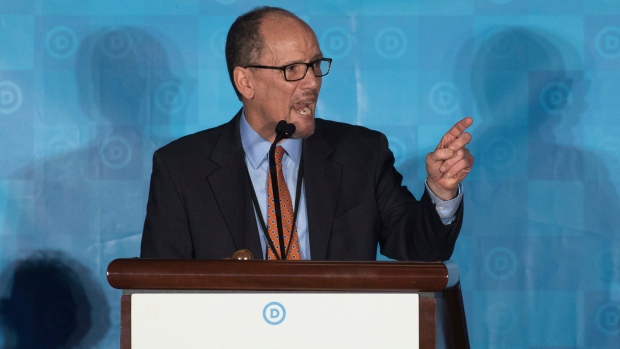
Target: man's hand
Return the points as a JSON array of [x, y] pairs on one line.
[[450, 162]]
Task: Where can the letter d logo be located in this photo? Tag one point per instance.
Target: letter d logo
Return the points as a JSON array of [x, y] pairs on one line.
[[274, 313]]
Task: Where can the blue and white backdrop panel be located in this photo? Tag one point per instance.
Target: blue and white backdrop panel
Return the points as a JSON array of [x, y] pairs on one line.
[[89, 89]]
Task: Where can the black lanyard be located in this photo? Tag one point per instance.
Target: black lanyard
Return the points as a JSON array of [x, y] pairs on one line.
[[300, 176]]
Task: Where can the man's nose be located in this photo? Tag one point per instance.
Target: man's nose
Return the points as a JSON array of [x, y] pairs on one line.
[[310, 80]]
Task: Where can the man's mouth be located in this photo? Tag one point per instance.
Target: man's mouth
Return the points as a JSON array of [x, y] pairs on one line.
[[303, 108]]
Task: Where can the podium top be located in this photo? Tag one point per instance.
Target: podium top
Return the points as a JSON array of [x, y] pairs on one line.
[[260, 275]]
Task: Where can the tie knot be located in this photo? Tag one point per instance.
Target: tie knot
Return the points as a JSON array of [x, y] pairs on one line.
[[279, 154]]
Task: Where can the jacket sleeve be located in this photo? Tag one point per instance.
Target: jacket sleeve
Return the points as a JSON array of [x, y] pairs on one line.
[[411, 229]]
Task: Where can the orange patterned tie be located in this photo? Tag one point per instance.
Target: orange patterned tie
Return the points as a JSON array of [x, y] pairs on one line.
[[286, 207]]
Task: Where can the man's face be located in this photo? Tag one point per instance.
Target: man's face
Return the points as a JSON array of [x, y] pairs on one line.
[[286, 41]]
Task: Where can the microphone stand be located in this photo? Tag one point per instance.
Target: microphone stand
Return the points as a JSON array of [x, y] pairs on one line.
[[284, 130]]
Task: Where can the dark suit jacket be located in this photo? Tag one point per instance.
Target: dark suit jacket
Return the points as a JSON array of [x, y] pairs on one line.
[[200, 201]]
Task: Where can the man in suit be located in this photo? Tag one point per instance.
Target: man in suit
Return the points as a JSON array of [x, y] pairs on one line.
[[208, 195]]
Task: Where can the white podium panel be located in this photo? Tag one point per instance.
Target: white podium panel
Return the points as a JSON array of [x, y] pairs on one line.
[[274, 320]]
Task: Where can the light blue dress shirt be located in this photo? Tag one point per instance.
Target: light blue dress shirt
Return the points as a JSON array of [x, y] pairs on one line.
[[256, 158]]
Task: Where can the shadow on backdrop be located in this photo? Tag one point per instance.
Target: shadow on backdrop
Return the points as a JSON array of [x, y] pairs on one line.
[[50, 302], [541, 209], [529, 155], [86, 196], [126, 76]]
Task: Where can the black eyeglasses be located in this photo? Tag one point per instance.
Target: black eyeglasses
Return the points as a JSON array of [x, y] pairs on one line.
[[298, 71]]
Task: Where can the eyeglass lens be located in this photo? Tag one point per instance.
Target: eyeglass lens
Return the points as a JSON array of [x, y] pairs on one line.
[[298, 71]]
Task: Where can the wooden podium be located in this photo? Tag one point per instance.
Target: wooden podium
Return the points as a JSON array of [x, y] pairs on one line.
[[441, 313]]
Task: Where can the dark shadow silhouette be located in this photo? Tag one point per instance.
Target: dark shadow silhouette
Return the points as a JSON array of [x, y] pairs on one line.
[[51, 302], [541, 212], [529, 105], [128, 90], [126, 77], [89, 197], [540, 207]]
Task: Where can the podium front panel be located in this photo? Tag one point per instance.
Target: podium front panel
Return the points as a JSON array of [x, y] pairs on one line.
[[274, 320]]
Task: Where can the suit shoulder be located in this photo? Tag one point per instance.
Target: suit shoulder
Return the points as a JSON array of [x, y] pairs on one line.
[[340, 131], [201, 140]]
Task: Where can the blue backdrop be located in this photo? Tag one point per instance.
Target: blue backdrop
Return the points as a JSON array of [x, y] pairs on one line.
[[89, 89]]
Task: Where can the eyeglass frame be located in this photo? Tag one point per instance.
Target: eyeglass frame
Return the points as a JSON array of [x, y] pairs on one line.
[[308, 66]]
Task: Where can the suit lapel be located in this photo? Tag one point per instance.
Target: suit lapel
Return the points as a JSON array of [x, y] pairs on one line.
[[322, 184], [228, 179]]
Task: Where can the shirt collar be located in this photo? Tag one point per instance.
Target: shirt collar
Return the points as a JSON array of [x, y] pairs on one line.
[[257, 148]]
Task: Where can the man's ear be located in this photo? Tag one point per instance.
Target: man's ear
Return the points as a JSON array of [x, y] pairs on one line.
[[243, 81]]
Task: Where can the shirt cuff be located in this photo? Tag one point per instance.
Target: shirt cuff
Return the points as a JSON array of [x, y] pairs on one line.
[[446, 209]]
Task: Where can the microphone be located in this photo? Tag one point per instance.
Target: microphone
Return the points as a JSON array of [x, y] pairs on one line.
[[280, 126], [284, 130]]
